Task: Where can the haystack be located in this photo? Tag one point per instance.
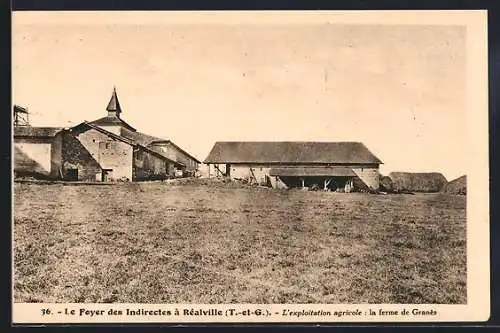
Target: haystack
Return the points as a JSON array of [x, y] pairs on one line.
[[418, 182], [386, 184], [457, 186]]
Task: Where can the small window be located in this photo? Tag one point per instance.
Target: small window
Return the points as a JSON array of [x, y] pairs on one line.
[[108, 145]]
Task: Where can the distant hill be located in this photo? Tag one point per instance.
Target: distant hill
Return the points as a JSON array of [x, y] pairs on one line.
[[457, 186]]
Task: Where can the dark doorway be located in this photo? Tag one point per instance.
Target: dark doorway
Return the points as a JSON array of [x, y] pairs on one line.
[[72, 174], [105, 174]]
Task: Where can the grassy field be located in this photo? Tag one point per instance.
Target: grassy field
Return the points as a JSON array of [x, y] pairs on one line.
[[162, 243]]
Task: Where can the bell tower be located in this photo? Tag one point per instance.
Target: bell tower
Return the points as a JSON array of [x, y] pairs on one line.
[[114, 108]]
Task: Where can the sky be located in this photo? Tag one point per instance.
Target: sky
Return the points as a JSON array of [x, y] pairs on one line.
[[398, 88]]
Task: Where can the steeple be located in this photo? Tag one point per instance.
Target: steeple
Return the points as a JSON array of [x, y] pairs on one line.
[[114, 108]]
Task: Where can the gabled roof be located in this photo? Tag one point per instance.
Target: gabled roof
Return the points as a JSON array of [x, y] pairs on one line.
[[20, 109], [151, 141], [183, 151], [35, 132], [125, 140], [89, 125], [287, 152], [141, 138], [111, 121]]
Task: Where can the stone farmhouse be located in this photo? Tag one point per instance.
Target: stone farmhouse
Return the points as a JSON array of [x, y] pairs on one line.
[[106, 149], [328, 165]]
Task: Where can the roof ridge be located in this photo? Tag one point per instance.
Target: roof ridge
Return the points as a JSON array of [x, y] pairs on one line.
[[292, 152]]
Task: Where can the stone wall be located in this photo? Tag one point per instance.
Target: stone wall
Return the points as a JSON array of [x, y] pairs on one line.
[[33, 156], [76, 156], [148, 166], [369, 176], [111, 154]]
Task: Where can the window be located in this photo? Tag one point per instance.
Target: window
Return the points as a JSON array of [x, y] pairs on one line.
[[108, 145]]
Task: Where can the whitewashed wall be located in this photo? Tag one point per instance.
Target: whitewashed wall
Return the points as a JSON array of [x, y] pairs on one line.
[[370, 176], [38, 152]]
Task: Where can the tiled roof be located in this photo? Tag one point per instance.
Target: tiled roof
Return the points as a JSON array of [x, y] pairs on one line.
[[111, 121], [291, 152], [39, 132], [139, 137], [150, 141]]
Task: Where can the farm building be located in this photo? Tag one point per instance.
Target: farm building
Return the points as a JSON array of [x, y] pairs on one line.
[[106, 149], [37, 151], [327, 165]]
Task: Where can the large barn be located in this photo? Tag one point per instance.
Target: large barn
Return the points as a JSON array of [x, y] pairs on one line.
[[105, 149], [327, 165]]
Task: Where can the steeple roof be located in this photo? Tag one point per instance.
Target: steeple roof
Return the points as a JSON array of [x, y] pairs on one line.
[[113, 118], [114, 104]]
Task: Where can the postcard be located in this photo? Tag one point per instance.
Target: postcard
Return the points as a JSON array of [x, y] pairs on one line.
[[288, 166]]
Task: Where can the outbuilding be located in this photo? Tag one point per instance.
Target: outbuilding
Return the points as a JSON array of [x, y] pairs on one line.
[[327, 165], [105, 149]]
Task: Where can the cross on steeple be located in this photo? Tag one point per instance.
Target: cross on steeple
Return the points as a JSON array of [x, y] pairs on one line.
[[114, 108]]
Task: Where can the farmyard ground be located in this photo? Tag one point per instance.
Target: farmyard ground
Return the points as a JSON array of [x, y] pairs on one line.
[[163, 243]]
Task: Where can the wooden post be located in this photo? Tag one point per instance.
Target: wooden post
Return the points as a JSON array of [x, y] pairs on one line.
[[217, 168], [253, 177]]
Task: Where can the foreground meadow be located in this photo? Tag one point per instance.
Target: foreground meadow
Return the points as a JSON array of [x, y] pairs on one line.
[[160, 243]]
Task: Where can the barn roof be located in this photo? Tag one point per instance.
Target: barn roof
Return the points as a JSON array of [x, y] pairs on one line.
[[291, 152], [313, 171], [35, 132]]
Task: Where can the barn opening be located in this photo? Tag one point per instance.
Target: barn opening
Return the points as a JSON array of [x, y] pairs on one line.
[[326, 178]]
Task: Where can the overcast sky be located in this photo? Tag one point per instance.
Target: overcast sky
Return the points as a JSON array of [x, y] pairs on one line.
[[400, 89]]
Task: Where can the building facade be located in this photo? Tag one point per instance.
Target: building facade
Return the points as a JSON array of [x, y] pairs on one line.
[[36, 151], [107, 149], [328, 165]]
